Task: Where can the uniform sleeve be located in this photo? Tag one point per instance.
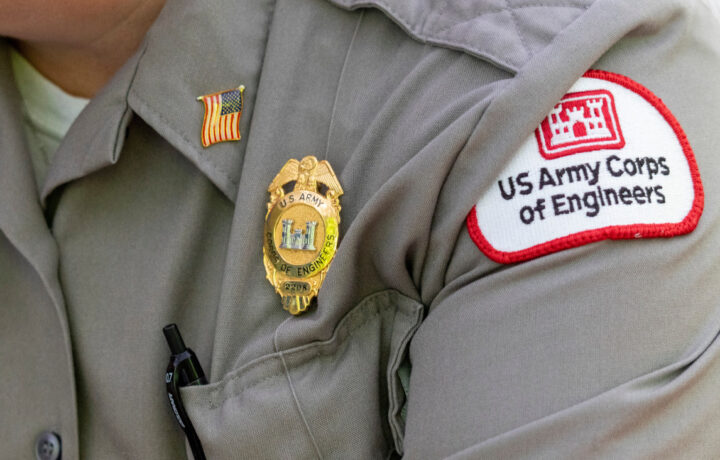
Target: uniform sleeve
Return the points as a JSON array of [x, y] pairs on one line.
[[601, 349]]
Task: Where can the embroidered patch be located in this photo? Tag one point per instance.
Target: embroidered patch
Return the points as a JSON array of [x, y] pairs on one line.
[[608, 162], [582, 122]]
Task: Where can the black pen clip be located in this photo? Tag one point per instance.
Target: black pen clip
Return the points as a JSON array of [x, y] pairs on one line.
[[184, 370]]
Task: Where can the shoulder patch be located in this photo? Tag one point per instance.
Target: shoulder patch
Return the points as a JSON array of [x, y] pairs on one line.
[[608, 162]]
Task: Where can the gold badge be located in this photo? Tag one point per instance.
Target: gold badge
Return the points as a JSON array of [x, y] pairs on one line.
[[301, 230]]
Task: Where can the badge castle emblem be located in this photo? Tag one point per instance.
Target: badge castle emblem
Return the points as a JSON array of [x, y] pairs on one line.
[[301, 230]]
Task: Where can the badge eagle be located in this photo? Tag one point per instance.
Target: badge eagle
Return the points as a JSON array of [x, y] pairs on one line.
[[301, 230]]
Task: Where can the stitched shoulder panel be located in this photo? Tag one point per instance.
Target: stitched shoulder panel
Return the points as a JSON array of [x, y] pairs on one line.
[[505, 32]]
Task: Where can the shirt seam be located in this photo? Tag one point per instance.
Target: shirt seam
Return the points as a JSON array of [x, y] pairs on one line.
[[425, 34]]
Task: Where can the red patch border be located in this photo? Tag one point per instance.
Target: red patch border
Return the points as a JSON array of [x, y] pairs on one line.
[[614, 232], [618, 141]]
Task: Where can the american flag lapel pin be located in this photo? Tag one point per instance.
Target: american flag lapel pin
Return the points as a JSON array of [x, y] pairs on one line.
[[222, 116]]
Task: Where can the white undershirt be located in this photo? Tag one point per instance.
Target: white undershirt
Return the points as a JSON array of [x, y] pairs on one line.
[[48, 112]]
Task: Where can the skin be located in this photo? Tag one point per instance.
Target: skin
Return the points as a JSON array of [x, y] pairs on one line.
[[77, 44]]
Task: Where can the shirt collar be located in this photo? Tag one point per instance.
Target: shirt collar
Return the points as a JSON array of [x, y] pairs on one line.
[[96, 138], [193, 49], [196, 48], [21, 217], [160, 85]]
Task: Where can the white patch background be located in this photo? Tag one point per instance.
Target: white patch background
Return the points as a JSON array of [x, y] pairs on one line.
[[646, 133]]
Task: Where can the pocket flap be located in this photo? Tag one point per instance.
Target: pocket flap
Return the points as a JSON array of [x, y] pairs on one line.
[[338, 398]]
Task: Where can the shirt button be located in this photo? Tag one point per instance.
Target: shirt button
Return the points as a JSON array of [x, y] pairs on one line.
[[47, 446]]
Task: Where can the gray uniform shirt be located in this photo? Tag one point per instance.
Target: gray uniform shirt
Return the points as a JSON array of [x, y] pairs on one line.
[[605, 350]]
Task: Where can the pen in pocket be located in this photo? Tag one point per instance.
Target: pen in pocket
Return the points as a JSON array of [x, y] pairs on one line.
[[184, 370]]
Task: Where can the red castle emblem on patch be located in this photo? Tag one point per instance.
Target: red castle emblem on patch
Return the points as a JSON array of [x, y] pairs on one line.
[[581, 122]]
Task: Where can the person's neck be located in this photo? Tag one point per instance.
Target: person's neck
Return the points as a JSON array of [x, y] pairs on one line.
[[82, 69]]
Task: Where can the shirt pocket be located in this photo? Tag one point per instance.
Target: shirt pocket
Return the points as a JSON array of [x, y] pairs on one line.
[[338, 398]]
